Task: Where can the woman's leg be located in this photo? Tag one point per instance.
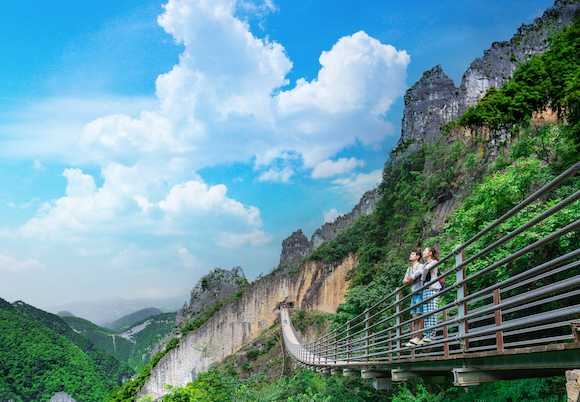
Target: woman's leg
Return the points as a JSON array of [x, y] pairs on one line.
[[428, 307], [417, 325]]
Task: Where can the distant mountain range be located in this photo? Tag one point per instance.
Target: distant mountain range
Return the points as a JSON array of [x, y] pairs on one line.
[[134, 342], [107, 310], [131, 319]]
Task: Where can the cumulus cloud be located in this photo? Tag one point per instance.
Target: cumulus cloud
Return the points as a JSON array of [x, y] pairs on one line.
[[330, 216], [10, 265], [222, 102], [122, 205], [277, 175], [354, 187], [330, 168]]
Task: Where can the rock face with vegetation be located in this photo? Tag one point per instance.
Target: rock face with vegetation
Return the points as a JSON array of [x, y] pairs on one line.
[[317, 287], [434, 100], [218, 285], [297, 247]]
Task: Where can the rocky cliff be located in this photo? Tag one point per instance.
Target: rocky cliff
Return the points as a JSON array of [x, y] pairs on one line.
[[434, 100], [297, 246], [218, 285], [317, 287]]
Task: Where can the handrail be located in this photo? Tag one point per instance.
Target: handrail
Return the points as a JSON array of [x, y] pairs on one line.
[[377, 334]]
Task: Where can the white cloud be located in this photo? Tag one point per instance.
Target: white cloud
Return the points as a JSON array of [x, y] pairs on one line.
[[125, 204], [11, 265], [187, 259], [354, 187], [329, 168], [195, 197], [330, 216], [256, 238], [221, 102], [11, 205], [277, 175]]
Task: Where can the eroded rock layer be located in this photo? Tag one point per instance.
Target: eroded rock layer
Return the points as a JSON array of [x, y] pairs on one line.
[[317, 287]]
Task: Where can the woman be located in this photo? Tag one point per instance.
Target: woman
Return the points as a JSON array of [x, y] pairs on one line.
[[429, 273]]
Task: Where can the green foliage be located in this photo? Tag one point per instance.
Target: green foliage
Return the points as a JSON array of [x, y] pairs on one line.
[[253, 354], [109, 365], [36, 362], [547, 80]]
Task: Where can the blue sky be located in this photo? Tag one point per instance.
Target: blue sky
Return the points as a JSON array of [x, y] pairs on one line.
[[144, 143]]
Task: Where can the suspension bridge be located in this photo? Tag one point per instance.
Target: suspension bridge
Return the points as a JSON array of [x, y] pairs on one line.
[[523, 326]]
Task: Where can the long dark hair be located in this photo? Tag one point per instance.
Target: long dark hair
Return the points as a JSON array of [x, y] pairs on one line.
[[434, 253]]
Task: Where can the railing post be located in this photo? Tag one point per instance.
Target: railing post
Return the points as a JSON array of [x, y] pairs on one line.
[[445, 335], [461, 293], [348, 343], [498, 334], [368, 332], [390, 347], [399, 331]]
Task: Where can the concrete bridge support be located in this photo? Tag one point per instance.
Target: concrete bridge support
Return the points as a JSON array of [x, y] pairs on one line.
[[573, 385]]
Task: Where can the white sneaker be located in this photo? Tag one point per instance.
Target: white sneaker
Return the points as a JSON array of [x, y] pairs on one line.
[[412, 342], [424, 341]]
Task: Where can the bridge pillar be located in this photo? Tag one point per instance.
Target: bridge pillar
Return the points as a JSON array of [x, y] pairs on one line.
[[336, 371], [375, 374], [573, 385], [401, 375], [326, 372], [350, 372], [470, 376], [382, 383]]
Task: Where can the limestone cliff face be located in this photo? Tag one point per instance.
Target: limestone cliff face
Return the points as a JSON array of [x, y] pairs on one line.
[[297, 246], [218, 285], [434, 99], [317, 287]]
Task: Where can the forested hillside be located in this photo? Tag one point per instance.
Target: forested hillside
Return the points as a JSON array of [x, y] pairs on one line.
[[118, 371], [36, 362], [133, 344], [516, 139]]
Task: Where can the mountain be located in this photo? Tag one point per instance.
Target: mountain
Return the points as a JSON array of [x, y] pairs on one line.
[[36, 362], [434, 100], [110, 309], [131, 319], [132, 345], [118, 371]]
